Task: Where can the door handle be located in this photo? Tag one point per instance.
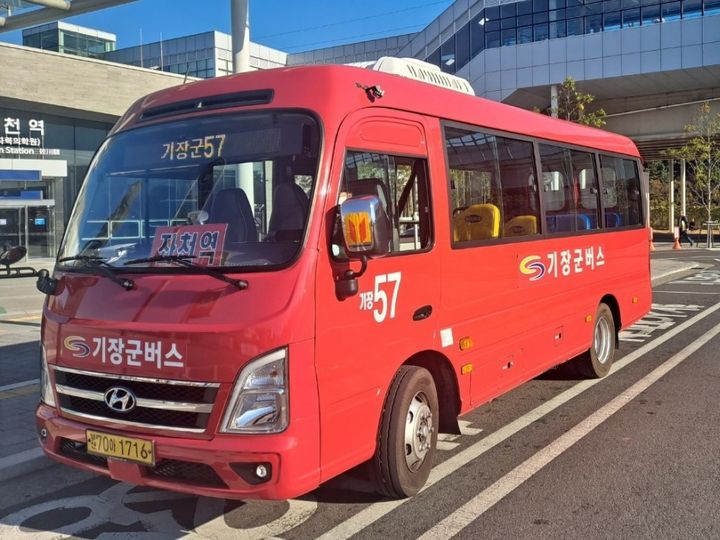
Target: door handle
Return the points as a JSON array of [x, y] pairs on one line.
[[422, 313]]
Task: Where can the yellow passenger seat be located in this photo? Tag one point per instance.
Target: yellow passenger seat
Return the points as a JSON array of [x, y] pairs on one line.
[[521, 226], [476, 222]]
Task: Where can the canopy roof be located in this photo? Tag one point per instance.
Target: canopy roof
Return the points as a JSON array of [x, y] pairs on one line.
[[17, 14]]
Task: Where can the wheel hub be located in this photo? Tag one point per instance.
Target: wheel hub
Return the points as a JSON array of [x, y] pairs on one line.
[[603, 340], [418, 431]]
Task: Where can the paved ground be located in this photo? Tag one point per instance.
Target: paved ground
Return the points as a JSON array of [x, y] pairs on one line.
[[20, 308], [20, 311], [629, 456]]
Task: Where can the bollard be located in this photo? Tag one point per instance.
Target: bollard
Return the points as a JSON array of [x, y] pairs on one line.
[[676, 235]]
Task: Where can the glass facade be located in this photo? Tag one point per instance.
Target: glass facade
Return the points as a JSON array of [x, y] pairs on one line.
[[34, 213], [203, 55], [69, 40], [538, 20], [191, 55]]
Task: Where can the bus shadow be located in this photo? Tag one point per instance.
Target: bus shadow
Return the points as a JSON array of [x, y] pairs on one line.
[[564, 372], [352, 487]]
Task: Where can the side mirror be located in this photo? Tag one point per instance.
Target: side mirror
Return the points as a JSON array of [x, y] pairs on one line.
[[45, 284], [366, 227], [366, 232]]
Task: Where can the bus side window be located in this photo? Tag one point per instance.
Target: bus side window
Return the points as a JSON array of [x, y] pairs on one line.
[[621, 192], [401, 185], [586, 188], [570, 190], [492, 186]]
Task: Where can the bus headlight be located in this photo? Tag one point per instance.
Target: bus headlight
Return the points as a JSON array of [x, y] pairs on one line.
[[46, 391], [259, 401]]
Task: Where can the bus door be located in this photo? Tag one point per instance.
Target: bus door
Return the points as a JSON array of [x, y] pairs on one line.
[[364, 338]]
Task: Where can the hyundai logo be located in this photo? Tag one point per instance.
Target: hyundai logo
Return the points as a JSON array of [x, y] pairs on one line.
[[120, 399]]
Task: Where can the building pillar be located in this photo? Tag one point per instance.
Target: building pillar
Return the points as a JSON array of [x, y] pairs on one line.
[[683, 189], [554, 101], [240, 22], [671, 196]]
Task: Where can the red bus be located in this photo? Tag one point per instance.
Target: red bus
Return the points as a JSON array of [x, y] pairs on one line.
[[270, 278]]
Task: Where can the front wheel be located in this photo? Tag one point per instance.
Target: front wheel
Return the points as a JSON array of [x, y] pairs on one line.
[[408, 433], [597, 361]]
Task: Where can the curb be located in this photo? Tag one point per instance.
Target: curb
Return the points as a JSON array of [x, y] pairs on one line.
[[22, 463]]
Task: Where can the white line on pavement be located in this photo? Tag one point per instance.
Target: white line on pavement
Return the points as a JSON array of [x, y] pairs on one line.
[[19, 385], [685, 292], [487, 498], [14, 460], [374, 512]]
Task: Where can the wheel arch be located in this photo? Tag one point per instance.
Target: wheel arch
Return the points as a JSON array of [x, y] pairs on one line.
[[610, 301], [446, 383]]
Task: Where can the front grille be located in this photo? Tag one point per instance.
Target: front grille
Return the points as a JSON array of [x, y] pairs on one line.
[[155, 417], [187, 472], [161, 392], [163, 404], [78, 451]]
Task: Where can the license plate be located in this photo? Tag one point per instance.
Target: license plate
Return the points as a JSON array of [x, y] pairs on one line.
[[128, 448]]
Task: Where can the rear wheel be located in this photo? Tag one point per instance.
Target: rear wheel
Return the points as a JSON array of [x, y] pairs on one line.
[[408, 433], [596, 363]]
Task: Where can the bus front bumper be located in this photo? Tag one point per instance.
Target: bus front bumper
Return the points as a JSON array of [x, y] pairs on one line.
[[225, 466]]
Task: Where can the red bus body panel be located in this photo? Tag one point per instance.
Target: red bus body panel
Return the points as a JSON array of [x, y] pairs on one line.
[[341, 362]]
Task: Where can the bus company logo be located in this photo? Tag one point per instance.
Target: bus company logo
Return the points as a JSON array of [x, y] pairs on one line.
[[531, 266], [77, 346]]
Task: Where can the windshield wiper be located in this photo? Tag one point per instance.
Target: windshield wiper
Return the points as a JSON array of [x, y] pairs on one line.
[[102, 266], [184, 260]]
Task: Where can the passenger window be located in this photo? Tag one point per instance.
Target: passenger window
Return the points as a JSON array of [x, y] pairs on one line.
[[401, 185], [570, 189], [493, 193], [621, 192]]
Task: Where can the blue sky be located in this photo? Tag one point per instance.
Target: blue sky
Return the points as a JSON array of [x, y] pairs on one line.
[[288, 25]]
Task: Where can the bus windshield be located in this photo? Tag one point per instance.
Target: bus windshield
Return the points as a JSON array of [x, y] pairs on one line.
[[225, 191]]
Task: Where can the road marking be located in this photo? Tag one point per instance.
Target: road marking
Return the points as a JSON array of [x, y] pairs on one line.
[[152, 511], [19, 385], [660, 317], [19, 392], [446, 441], [21, 457], [21, 319], [487, 498], [374, 512], [686, 292], [465, 428]]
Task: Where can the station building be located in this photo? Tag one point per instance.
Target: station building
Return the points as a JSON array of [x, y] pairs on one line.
[[55, 110], [204, 55], [647, 62]]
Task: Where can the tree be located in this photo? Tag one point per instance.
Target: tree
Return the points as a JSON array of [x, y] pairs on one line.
[[659, 203], [572, 105], [702, 157]]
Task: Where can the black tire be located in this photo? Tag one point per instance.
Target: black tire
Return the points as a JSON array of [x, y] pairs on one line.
[[411, 406], [597, 361]]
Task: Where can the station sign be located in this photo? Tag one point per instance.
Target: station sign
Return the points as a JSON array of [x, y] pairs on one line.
[[23, 138]]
